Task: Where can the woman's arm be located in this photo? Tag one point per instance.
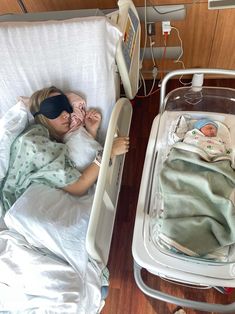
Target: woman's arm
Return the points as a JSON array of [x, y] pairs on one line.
[[85, 181], [90, 174]]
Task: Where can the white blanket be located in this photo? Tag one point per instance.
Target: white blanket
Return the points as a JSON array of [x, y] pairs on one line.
[[43, 259], [35, 282]]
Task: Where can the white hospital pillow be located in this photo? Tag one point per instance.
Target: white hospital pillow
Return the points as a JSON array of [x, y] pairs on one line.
[[12, 124], [25, 101]]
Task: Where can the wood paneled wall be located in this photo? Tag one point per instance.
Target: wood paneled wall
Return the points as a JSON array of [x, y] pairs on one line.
[[9, 6]]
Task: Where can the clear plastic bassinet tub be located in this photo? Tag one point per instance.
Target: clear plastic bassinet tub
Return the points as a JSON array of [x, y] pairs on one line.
[[185, 220]]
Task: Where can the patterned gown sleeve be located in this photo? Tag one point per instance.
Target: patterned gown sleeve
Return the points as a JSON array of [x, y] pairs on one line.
[[34, 158]]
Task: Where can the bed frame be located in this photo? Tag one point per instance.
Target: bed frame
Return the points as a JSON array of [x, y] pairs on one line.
[[103, 211]]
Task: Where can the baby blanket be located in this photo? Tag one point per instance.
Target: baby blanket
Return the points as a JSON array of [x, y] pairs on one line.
[[198, 213]]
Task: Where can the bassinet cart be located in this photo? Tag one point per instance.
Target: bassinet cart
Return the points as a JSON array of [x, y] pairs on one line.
[[148, 248]]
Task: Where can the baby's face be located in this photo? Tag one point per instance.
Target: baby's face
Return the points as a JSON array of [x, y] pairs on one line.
[[209, 130]]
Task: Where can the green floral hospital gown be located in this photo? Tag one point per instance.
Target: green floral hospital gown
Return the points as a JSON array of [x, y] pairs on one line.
[[34, 158]]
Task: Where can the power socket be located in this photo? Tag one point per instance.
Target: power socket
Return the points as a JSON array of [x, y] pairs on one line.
[[151, 29], [166, 27]]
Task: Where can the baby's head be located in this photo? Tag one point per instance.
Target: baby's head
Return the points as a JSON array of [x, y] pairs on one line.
[[207, 127]]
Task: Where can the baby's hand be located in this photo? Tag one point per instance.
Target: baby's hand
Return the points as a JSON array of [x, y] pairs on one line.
[[120, 146], [92, 121]]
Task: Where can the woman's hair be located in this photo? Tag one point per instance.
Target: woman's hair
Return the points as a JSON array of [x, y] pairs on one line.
[[34, 106]]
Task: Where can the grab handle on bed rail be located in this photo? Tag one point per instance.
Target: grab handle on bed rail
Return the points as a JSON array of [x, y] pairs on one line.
[[201, 306], [187, 72]]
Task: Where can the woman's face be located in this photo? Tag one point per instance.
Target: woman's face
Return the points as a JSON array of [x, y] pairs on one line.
[[61, 124], [209, 130]]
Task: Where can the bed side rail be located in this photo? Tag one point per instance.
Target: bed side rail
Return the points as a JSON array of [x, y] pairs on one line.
[[100, 228], [200, 306], [172, 74]]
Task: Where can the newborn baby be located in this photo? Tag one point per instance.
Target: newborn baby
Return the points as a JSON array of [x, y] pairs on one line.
[[204, 136]]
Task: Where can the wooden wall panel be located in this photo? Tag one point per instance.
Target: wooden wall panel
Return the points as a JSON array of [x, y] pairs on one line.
[[222, 52], [57, 5], [9, 6], [140, 3], [197, 34]]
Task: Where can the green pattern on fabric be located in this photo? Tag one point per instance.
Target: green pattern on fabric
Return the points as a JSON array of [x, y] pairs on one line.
[[35, 158]]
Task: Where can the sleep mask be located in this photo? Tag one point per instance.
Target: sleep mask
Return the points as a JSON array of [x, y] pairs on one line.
[[53, 106]]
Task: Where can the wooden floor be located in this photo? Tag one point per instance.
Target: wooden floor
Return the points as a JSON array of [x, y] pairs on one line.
[[124, 296]]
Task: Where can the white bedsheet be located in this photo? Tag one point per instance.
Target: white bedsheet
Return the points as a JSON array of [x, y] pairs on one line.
[[35, 282], [43, 259]]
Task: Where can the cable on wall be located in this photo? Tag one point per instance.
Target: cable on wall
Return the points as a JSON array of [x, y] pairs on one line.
[[180, 55], [22, 6]]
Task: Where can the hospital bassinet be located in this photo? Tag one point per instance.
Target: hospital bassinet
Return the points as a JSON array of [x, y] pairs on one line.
[[151, 248]]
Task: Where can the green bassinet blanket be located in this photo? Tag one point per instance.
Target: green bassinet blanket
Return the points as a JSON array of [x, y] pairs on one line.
[[35, 158], [198, 213]]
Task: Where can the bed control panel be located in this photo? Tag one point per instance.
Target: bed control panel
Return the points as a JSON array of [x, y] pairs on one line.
[[129, 39], [128, 52]]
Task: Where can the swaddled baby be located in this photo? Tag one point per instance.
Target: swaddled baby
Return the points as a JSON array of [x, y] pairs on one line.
[[204, 136], [82, 145]]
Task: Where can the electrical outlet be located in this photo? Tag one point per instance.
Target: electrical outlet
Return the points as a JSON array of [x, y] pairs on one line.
[[166, 27], [151, 29]]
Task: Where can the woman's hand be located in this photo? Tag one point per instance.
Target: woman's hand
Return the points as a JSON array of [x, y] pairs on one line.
[[120, 146], [92, 121]]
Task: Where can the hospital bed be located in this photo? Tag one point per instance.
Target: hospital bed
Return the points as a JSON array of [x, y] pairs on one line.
[[165, 244], [54, 247]]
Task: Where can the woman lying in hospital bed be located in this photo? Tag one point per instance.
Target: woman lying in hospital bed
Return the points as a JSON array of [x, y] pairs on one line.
[[80, 138], [36, 158], [197, 192], [47, 226]]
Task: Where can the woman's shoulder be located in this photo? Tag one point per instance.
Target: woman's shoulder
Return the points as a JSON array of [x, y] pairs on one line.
[[36, 129]]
